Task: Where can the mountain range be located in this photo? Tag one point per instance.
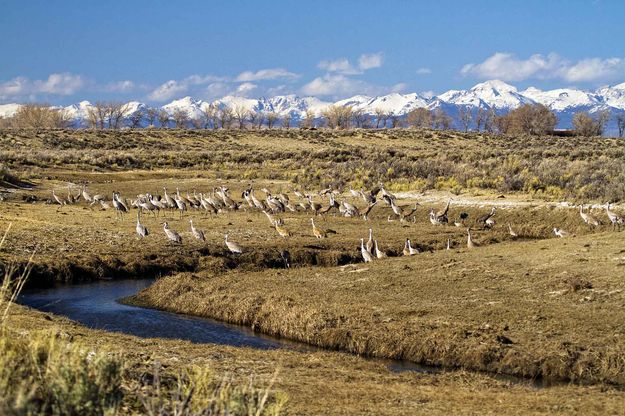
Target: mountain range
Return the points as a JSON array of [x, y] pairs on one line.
[[495, 94]]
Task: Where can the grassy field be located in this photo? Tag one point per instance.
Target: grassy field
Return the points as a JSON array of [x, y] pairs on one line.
[[530, 306]]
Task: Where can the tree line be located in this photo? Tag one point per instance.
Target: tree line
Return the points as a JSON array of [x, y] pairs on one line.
[[532, 119]]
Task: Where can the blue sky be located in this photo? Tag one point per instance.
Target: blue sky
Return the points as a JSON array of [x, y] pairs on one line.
[[156, 51]]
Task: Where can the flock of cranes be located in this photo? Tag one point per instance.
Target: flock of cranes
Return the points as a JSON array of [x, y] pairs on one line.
[[271, 205]]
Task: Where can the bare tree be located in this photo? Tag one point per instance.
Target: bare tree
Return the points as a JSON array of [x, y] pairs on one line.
[[286, 121], [151, 114], [480, 118], [39, 116], [253, 118], [338, 117], [381, 117], [620, 123], [135, 119], [241, 114], [464, 113], [359, 118], [488, 119], [116, 113], [534, 119], [440, 119], [210, 116], [180, 117], [587, 125], [225, 117], [163, 119], [197, 122], [308, 121], [271, 119], [260, 119], [419, 117], [396, 121]]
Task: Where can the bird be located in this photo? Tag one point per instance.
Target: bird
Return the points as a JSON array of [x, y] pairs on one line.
[[408, 249], [512, 232], [85, 195], [459, 222], [440, 217], [282, 230], [286, 257], [470, 242], [365, 215], [318, 232], [369, 244], [120, 207], [366, 255], [197, 233], [232, 246], [616, 220], [559, 232], [142, 231], [448, 244], [587, 218], [379, 254], [314, 206], [172, 235], [484, 219], [57, 199]]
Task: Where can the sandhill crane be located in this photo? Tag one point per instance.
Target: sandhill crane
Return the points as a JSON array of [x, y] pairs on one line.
[[370, 197], [197, 233], [298, 193], [440, 217], [104, 205], [448, 244], [314, 206], [171, 235], [72, 199], [142, 231], [484, 219], [273, 220], [366, 255], [181, 205], [559, 232], [354, 193], [513, 234], [408, 249], [387, 195], [282, 230], [120, 207], [470, 242], [318, 232], [365, 215], [286, 257], [232, 246], [587, 218], [369, 244], [378, 253], [459, 222], [616, 220], [332, 204], [171, 204], [57, 199], [86, 196]]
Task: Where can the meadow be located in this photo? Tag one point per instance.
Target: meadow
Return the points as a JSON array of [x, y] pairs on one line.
[[530, 306]]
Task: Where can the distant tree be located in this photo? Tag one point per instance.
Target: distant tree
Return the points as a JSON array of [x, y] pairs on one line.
[[180, 117], [240, 114], [534, 119], [440, 119], [39, 116], [207, 116], [135, 119], [252, 117], [465, 115], [502, 123], [620, 123], [271, 119], [225, 117], [338, 117], [396, 121], [151, 114], [260, 119], [163, 119], [419, 117], [308, 121], [381, 118], [286, 121], [359, 118], [489, 117], [116, 113], [587, 125], [480, 117], [197, 122]]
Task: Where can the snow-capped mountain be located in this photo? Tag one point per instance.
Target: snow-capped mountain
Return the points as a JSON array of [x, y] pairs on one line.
[[494, 94]]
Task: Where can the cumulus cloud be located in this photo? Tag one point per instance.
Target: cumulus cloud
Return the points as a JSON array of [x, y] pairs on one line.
[[120, 86], [424, 71], [343, 66], [245, 88], [369, 61], [168, 90], [341, 86], [266, 74], [56, 84], [508, 67]]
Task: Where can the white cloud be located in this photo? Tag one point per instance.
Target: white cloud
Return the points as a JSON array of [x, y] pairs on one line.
[[56, 84], [168, 90], [245, 88], [369, 61], [427, 94], [120, 86], [343, 66], [424, 71], [265, 74], [400, 87], [508, 67], [595, 69], [334, 85]]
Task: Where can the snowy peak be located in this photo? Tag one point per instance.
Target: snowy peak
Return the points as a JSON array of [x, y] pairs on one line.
[[562, 99]]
